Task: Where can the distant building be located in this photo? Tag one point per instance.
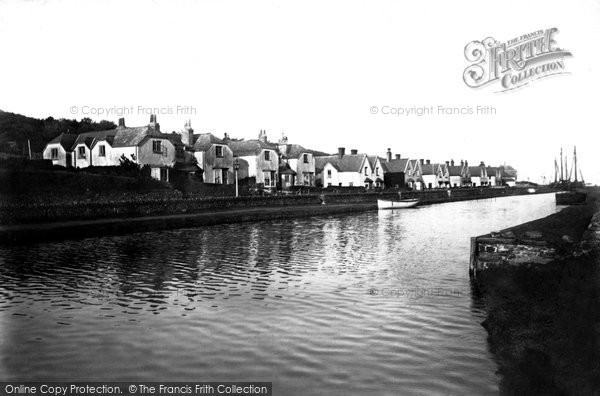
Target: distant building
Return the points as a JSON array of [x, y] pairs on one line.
[[299, 160], [59, 150], [508, 175], [433, 175], [144, 145], [345, 170], [458, 175], [494, 176], [378, 171], [414, 174], [262, 158], [214, 157], [394, 170], [478, 175]]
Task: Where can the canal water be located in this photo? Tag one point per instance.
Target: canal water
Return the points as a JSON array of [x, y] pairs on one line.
[[375, 302]]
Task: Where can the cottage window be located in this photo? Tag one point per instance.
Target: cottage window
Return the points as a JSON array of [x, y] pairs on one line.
[[224, 176], [267, 178], [307, 179], [366, 171], [54, 153], [164, 174], [377, 171], [217, 176], [305, 158], [219, 151], [102, 150], [81, 152], [267, 155], [157, 146], [329, 173], [287, 178]]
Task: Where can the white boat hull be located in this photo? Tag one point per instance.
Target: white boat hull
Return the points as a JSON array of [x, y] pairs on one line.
[[401, 204]]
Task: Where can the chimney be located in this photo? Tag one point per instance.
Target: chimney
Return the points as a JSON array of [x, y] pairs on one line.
[[428, 162], [283, 145], [262, 136], [354, 151], [462, 162], [422, 161], [482, 164], [397, 156], [121, 122], [153, 125], [452, 162], [466, 163], [187, 135], [341, 152], [226, 138], [389, 155], [447, 163]]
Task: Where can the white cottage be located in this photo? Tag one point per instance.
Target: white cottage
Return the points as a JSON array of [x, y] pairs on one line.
[[345, 170]]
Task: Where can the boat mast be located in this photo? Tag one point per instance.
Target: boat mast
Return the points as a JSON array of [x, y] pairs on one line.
[[575, 161], [555, 171], [561, 165]]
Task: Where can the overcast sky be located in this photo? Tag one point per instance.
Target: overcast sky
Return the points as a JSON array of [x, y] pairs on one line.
[[312, 70]]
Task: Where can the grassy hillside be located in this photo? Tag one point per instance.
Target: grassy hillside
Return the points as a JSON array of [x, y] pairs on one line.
[[16, 129]]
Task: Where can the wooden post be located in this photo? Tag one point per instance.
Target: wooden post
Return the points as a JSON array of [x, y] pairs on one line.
[[473, 257]]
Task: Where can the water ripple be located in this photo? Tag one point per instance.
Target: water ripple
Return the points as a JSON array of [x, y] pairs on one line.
[[345, 303]]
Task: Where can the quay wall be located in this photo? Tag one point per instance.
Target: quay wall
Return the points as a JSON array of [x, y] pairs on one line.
[[543, 316], [537, 242], [24, 210]]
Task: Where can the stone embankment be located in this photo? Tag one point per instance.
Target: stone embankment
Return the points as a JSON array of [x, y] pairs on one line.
[[540, 283]]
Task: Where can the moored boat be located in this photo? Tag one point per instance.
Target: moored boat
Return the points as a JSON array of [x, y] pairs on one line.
[[570, 197], [397, 204]]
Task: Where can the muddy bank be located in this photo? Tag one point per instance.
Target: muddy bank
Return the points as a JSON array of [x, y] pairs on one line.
[[544, 318]]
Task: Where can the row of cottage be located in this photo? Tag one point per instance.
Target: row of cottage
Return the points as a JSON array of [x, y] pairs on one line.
[[273, 165]]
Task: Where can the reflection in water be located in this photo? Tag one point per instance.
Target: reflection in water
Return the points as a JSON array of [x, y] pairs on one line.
[[375, 301]]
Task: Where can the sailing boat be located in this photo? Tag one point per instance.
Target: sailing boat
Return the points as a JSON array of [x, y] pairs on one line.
[[571, 190]]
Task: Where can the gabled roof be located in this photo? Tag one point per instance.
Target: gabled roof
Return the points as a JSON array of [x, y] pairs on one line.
[[91, 138], [243, 148], [66, 140], [508, 171], [430, 169], [348, 162], [414, 163], [395, 165], [204, 141], [127, 137], [475, 171], [293, 150], [455, 170], [372, 160]]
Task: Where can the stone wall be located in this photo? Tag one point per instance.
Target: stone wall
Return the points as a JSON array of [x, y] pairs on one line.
[[16, 211], [504, 250]]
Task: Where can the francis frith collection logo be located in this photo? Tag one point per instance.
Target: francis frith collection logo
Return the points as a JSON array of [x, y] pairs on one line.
[[514, 63]]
